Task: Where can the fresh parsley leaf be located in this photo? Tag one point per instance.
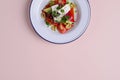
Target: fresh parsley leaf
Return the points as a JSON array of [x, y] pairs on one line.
[[58, 7], [67, 2], [67, 17], [55, 14], [57, 21], [62, 10], [64, 19], [47, 23]]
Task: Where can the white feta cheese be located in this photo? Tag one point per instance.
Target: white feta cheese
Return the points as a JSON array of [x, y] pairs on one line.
[[54, 7], [63, 11], [66, 9]]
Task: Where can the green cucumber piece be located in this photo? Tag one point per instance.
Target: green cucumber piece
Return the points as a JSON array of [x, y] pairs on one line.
[[48, 10]]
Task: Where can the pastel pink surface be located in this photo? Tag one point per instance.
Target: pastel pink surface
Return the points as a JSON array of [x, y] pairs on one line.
[[25, 56]]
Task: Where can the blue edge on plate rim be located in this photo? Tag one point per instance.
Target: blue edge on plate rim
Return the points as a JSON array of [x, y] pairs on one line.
[[54, 42]]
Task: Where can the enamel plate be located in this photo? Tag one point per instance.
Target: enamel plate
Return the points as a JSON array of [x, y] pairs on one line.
[[81, 24]]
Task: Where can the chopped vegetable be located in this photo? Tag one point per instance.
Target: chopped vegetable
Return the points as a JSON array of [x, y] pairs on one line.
[[67, 2], [48, 10], [64, 19], [58, 7], [55, 14], [71, 14], [47, 23], [59, 15], [62, 10], [61, 28], [72, 5], [52, 3]]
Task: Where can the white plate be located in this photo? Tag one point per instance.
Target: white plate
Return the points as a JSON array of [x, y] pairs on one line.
[[47, 34]]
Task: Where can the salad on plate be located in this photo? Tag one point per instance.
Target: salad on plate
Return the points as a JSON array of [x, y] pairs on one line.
[[59, 15]]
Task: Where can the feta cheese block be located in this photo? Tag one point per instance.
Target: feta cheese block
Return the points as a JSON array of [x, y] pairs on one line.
[[63, 11], [54, 7]]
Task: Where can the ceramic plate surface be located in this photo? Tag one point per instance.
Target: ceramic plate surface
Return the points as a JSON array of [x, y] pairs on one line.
[[81, 24]]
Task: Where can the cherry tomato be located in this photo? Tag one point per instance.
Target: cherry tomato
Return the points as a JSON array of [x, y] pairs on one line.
[[61, 28], [55, 24], [62, 2], [56, 1]]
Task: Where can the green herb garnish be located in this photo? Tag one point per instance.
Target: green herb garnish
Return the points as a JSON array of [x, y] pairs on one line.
[[67, 2], [64, 19], [56, 21], [62, 10], [55, 14], [67, 17], [47, 23], [58, 7]]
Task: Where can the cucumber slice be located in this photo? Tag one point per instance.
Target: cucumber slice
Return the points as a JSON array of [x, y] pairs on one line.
[[48, 10]]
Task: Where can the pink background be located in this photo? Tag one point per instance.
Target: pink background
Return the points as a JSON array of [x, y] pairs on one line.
[[25, 56]]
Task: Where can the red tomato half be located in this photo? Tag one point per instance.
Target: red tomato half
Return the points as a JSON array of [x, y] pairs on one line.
[[61, 28], [62, 2], [71, 14], [50, 21], [56, 1]]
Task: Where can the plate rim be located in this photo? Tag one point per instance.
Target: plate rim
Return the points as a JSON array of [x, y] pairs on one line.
[[87, 24]]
